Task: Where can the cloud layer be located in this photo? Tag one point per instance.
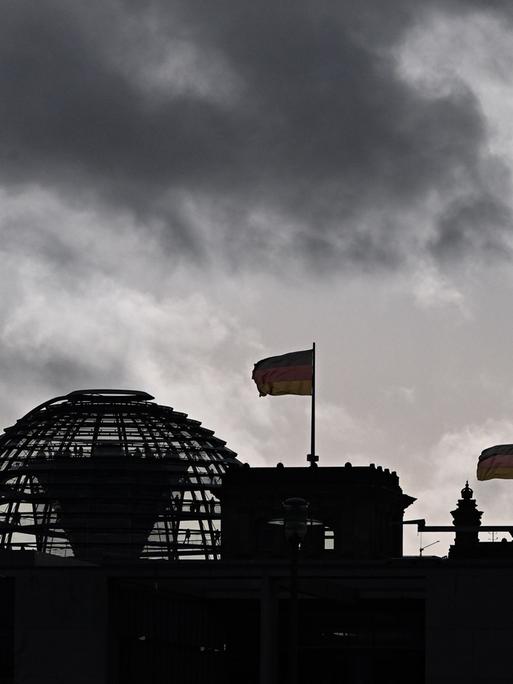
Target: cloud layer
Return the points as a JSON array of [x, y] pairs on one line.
[[292, 131], [187, 187]]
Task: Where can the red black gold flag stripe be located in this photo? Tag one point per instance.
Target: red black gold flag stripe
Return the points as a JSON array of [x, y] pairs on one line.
[[286, 374], [496, 462]]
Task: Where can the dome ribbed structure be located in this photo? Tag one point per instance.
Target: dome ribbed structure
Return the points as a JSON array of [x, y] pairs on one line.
[[111, 475]]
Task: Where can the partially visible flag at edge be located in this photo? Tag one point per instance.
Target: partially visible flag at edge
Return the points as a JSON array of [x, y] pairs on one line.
[[286, 374], [496, 462]]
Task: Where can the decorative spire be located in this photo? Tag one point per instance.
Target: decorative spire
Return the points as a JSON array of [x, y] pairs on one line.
[[466, 492], [466, 515]]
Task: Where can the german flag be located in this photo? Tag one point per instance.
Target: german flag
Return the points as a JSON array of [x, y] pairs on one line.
[[496, 462], [287, 374]]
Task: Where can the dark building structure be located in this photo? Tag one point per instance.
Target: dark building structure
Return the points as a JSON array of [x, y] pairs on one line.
[[360, 511], [103, 474], [135, 548]]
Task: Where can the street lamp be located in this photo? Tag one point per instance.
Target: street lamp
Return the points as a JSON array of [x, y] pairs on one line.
[[295, 523], [295, 512]]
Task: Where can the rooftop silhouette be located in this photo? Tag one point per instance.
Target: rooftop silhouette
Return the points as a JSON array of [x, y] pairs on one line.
[[296, 574], [109, 473]]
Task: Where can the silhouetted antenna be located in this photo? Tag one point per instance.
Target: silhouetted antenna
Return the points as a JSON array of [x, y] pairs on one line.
[[422, 548]]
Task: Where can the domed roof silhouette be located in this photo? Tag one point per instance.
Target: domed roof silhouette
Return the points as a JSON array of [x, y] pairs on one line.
[[110, 475]]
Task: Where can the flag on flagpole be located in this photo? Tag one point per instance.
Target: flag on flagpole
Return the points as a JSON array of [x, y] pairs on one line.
[[496, 462], [286, 374]]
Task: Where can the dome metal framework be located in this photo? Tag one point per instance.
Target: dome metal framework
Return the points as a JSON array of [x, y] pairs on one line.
[[108, 474]]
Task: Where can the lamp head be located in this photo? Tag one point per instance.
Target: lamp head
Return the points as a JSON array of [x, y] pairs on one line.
[[295, 510]]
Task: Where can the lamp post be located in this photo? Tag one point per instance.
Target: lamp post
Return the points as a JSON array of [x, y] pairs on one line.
[[295, 523], [295, 511]]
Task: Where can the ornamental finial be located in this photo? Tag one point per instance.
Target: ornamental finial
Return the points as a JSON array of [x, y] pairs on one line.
[[466, 492]]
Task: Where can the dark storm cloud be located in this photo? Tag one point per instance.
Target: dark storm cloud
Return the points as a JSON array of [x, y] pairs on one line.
[[315, 128], [473, 225], [54, 372]]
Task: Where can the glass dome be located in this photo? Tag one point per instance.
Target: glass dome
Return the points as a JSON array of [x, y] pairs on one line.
[[111, 475]]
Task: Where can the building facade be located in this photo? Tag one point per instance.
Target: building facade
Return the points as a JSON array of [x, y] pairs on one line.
[[136, 548]]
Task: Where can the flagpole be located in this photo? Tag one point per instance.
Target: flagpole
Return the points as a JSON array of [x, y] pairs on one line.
[[312, 458]]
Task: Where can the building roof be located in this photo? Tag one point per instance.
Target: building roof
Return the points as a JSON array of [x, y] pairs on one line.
[[103, 472]]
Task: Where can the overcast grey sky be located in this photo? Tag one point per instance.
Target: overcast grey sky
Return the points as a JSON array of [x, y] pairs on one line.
[[187, 187]]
